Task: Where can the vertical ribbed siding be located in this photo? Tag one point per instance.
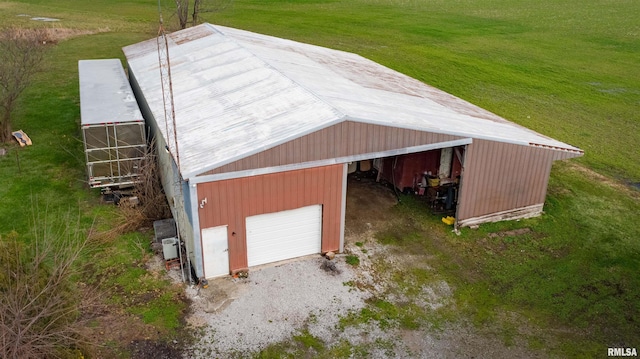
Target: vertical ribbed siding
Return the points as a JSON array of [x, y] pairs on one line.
[[343, 139], [229, 202], [500, 177], [169, 177]]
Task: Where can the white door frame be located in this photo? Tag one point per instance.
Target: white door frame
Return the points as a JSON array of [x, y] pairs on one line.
[[215, 251]]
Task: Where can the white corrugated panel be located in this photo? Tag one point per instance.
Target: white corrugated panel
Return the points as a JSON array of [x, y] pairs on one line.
[[105, 93], [238, 93], [229, 103], [283, 235]]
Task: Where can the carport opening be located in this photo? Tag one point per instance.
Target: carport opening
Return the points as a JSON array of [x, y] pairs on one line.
[[432, 177]]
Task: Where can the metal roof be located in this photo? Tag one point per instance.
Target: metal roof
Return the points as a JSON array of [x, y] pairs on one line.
[[105, 93], [238, 93]]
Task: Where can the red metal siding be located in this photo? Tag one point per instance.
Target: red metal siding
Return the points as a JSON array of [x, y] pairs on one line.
[[229, 202], [501, 177], [343, 139], [409, 168]]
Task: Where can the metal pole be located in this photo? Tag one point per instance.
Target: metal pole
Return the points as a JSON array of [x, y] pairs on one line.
[[188, 264], [180, 250], [106, 131], [115, 137], [462, 159]]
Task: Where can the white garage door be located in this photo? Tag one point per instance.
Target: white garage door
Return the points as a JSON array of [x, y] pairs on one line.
[[282, 235]]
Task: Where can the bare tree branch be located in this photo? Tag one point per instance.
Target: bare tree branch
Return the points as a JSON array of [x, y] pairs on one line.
[[42, 309], [208, 6], [21, 56], [182, 10]]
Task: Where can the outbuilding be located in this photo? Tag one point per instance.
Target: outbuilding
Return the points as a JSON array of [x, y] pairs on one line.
[[267, 129], [112, 125]]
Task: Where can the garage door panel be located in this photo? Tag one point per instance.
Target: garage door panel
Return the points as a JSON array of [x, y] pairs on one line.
[[268, 229], [285, 253], [282, 235]]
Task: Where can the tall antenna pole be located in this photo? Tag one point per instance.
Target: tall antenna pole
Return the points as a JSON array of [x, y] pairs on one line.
[[170, 117], [167, 90]]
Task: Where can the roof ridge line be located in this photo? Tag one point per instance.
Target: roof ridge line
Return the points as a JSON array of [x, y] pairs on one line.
[[306, 89]]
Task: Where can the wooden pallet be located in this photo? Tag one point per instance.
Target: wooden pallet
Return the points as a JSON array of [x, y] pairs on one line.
[[172, 263], [22, 138]]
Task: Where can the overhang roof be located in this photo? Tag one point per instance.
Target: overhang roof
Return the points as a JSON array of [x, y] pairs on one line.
[[237, 93], [105, 93]]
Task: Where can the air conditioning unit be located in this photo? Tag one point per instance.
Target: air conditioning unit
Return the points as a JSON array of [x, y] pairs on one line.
[[170, 248]]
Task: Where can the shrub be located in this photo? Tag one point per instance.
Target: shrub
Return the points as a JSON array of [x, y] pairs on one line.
[[42, 308]]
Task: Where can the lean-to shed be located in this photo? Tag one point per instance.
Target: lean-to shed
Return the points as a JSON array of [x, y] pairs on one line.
[[266, 129], [113, 128]]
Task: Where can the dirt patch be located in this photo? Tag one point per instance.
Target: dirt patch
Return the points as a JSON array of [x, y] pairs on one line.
[[219, 294], [366, 277], [117, 327], [117, 333], [148, 349], [512, 233], [56, 34], [53, 35], [630, 189], [465, 341], [368, 204]]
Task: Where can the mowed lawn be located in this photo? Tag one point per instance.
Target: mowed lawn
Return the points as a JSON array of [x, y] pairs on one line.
[[568, 69]]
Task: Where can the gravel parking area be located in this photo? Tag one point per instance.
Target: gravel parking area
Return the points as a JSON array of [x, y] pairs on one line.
[[239, 317], [243, 315]]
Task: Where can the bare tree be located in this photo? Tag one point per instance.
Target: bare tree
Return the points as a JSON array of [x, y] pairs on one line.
[[208, 6], [152, 202], [42, 306], [199, 7], [21, 55], [182, 10]]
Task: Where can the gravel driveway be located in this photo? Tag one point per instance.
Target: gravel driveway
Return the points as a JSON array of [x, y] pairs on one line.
[[243, 315], [238, 317]]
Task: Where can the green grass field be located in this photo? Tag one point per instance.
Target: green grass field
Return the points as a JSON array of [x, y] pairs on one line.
[[568, 69]]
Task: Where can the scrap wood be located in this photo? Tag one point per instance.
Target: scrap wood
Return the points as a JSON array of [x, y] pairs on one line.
[[22, 138]]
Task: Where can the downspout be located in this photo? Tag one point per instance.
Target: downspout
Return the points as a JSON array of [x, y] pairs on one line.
[[185, 245]]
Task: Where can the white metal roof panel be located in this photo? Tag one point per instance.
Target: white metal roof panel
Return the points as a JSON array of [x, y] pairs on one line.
[[369, 92], [105, 93], [229, 104], [238, 93]]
